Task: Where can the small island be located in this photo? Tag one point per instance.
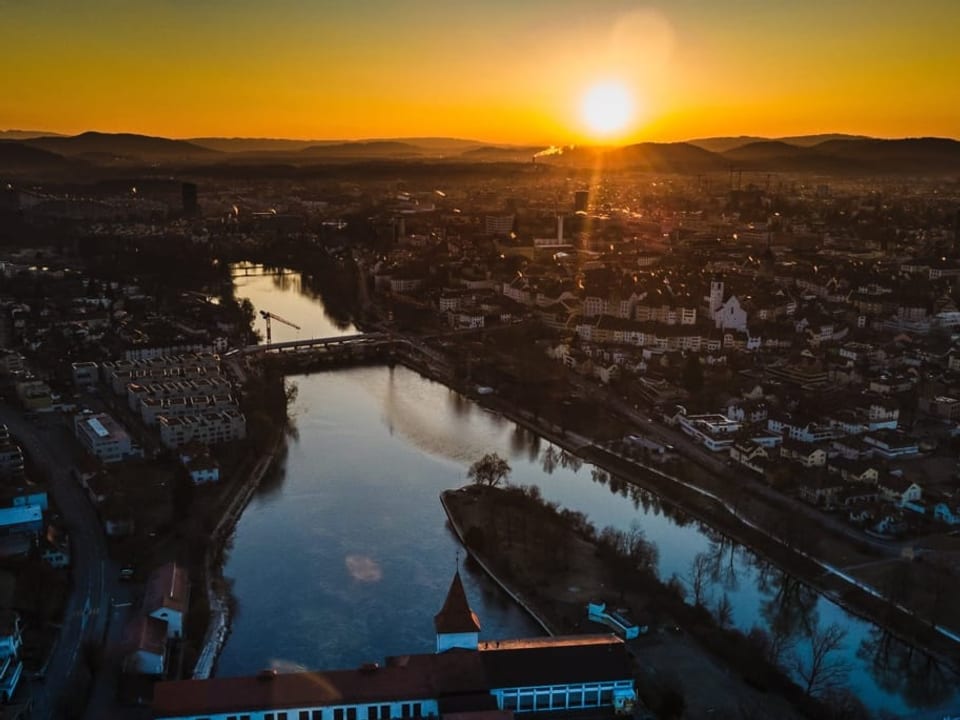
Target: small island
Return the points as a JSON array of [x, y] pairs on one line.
[[554, 564]]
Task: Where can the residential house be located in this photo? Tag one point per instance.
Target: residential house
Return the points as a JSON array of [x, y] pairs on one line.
[[822, 489], [167, 597], [806, 454], [946, 513], [751, 455], [145, 646], [898, 489]]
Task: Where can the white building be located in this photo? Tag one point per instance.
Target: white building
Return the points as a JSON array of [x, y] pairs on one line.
[[167, 597], [145, 645], [209, 429], [103, 437], [531, 677], [85, 374], [715, 432]]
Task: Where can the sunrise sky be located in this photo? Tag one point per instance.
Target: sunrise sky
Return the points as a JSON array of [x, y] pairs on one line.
[[496, 70]]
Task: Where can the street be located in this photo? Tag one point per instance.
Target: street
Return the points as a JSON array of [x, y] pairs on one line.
[[93, 575]]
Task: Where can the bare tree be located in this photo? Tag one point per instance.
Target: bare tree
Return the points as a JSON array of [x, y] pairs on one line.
[[640, 551], [490, 470], [820, 671], [697, 577], [724, 611]]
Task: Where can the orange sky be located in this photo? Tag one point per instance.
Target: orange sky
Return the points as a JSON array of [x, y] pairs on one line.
[[502, 70]]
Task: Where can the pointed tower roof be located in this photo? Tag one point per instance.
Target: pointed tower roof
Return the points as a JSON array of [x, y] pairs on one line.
[[456, 616]]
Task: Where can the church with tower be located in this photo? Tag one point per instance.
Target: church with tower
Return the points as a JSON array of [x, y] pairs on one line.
[[465, 679]]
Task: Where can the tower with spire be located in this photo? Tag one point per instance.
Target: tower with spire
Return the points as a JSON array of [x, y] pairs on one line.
[[456, 624]]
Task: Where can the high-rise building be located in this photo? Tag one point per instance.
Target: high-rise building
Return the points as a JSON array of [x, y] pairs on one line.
[[580, 200], [498, 224], [188, 192]]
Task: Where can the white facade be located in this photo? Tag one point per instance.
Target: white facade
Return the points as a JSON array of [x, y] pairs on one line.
[[209, 429], [543, 698], [103, 437], [731, 315], [715, 432]]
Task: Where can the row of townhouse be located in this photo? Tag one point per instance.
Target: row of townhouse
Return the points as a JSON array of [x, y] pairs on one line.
[[120, 379], [207, 429], [829, 481], [119, 373], [700, 337], [137, 393], [152, 408]]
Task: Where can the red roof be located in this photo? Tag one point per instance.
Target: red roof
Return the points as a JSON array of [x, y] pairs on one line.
[[456, 616], [147, 634], [167, 587]]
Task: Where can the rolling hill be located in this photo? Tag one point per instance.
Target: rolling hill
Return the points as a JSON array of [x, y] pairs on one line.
[[122, 145], [17, 157]]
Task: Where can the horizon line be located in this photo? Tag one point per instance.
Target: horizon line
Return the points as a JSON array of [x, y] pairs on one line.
[[569, 143]]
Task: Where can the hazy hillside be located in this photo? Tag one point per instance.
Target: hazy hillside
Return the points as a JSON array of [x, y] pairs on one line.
[[725, 144], [18, 157], [25, 134], [365, 149], [237, 145], [124, 145]]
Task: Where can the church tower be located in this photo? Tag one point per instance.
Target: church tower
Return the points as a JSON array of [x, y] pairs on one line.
[[716, 294], [456, 624]]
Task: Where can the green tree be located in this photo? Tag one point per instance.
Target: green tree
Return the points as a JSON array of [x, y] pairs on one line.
[[490, 470]]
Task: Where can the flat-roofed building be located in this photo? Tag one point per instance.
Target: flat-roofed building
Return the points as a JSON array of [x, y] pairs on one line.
[[85, 375], [207, 429], [103, 437], [533, 677]]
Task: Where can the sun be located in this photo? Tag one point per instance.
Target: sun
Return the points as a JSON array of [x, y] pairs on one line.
[[607, 108]]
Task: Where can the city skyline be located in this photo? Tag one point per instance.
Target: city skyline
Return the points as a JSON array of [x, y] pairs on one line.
[[495, 73]]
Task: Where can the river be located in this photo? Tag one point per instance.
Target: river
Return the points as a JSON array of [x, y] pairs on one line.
[[344, 557]]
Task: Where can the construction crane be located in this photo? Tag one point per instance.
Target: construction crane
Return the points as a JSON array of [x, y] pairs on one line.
[[268, 316]]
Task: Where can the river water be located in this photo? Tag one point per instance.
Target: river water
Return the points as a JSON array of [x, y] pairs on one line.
[[344, 557]]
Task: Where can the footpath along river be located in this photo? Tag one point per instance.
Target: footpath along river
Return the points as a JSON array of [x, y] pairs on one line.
[[344, 556]]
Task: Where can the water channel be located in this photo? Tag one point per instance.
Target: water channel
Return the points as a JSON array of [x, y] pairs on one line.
[[344, 557]]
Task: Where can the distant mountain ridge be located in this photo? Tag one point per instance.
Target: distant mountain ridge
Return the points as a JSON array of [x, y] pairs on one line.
[[143, 147], [825, 154], [725, 144], [868, 155], [26, 134]]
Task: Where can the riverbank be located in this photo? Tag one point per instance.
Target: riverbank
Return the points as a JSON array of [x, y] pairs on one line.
[[215, 586], [553, 571], [854, 596]]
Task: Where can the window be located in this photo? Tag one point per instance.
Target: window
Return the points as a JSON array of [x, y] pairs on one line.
[[304, 715], [316, 715], [373, 712], [385, 713], [405, 710], [351, 713], [606, 696], [281, 716], [269, 716], [338, 714]]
